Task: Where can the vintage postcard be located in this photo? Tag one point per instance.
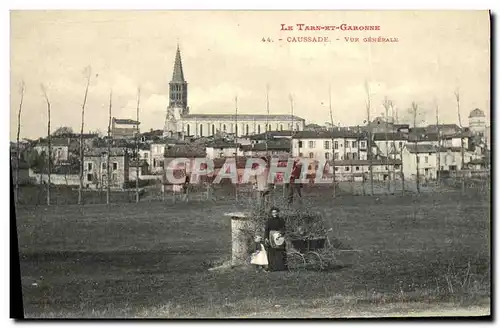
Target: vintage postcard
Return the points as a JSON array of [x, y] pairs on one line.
[[251, 164]]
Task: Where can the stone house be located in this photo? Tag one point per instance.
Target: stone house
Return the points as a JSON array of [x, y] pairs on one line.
[[95, 167]]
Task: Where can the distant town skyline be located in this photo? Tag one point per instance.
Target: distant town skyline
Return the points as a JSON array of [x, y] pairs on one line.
[[224, 56]]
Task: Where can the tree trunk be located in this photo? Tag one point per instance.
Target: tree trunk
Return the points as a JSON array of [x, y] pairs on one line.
[[80, 189], [49, 151], [18, 147], [457, 97], [386, 106], [414, 112], [369, 153], [438, 175], [333, 141], [108, 177], [137, 149]]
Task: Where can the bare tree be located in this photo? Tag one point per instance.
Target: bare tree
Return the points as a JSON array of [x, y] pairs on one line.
[[89, 74], [108, 177], [290, 97], [369, 152], [21, 91], [438, 171], [137, 147], [387, 104], [359, 157], [394, 112], [333, 139], [236, 145], [414, 111], [457, 98], [49, 139]]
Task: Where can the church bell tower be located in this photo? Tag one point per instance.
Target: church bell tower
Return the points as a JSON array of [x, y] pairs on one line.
[[177, 106]]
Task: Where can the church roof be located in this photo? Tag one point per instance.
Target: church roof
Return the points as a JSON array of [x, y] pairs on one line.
[[245, 117], [476, 113], [178, 74]]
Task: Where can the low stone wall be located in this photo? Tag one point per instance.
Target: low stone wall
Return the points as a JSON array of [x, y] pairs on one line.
[[56, 179]]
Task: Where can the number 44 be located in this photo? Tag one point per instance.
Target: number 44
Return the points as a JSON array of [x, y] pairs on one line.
[[268, 40]]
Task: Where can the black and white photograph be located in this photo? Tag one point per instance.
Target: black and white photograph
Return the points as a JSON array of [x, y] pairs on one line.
[[251, 164]]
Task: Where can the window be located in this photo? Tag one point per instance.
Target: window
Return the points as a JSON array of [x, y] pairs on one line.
[[418, 159], [336, 168], [269, 127], [327, 155], [311, 155], [115, 166], [396, 166], [357, 168], [301, 155], [327, 144], [89, 167], [246, 129], [103, 165], [213, 129], [336, 145], [281, 127], [354, 144], [336, 156], [89, 177], [346, 168], [300, 143], [362, 144], [297, 127], [145, 155], [188, 128], [354, 156], [346, 144], [224, 128], [348, 155], [400, 144], [426, 159], [312, 144], [258, 128]]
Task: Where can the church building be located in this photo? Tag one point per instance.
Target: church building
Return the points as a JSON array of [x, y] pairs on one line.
[[180, 122]]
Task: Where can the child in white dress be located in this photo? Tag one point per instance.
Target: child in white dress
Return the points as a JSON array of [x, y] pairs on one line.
[[259, 257]]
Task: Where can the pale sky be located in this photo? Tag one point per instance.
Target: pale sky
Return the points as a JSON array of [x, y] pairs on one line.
[[223, 56]]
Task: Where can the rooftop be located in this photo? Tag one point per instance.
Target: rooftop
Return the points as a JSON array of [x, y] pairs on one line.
[[97, 152], [187, 151], [390, 136], [328, 134], [418, 149], [476, 113], [246, 117], [125, 121]]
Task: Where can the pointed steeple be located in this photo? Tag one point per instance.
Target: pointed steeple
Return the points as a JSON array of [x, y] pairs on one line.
[[178, 74]]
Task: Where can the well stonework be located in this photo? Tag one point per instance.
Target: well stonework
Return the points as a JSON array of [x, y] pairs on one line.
[[242, 230]]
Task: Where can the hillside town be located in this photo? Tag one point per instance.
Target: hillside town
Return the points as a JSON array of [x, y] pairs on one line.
[[380, 150]]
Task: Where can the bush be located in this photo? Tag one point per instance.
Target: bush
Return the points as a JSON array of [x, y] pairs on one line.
[[142, 183]]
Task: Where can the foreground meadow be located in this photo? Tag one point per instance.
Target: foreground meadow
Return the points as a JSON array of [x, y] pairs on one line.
[[152, 260]]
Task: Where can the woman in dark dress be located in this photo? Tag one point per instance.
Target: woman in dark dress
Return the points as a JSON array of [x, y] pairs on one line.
[[275, 244]]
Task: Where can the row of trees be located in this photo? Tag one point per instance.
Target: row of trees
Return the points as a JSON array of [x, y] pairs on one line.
[[414, 112], [44, 161]]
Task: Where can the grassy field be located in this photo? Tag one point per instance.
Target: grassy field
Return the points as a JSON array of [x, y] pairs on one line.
[[152, 260]]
